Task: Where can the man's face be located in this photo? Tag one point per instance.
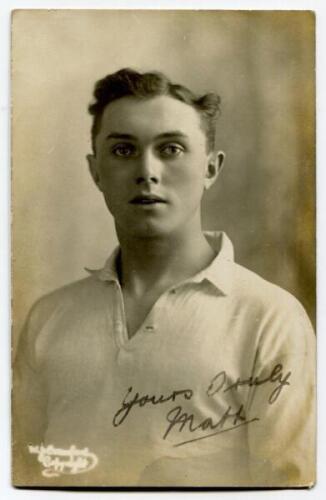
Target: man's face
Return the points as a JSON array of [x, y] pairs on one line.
[[152, 165]]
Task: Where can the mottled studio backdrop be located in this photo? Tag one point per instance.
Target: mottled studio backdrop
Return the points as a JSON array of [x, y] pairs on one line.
[[262, 65]]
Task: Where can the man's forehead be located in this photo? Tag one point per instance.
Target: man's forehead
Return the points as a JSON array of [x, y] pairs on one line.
[[164, 113]]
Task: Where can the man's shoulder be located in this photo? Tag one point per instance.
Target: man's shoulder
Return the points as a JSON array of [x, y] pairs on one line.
[[254, 291], [80, 294], [278, 317], [247, 289], [74, 289]]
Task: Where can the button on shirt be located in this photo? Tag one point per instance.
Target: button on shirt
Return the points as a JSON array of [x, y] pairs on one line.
[[216, 387]]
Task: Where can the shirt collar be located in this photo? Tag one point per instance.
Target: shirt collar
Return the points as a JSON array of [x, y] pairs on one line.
[[218, 273]]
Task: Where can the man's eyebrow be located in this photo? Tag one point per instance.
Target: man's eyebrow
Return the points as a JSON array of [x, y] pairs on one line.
[[118, 135], [164, 135], [173, 133]]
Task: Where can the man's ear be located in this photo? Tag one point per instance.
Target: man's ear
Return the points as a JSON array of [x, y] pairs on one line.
[[214, 167], [91, 159]]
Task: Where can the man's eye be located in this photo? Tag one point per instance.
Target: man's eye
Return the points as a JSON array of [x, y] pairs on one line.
[[172, 150], [124, 150]]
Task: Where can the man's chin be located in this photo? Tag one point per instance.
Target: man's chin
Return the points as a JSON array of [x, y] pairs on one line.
[[148, 230], [151, 232]]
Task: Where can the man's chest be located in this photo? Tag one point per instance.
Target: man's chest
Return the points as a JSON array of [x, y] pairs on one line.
[[182, 345], [162, 387]]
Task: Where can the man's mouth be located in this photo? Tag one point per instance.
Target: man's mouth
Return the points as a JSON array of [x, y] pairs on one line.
[[147, 199]]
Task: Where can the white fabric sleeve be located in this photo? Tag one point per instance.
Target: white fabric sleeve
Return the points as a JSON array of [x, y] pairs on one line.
[[282, 443], [28, 400]]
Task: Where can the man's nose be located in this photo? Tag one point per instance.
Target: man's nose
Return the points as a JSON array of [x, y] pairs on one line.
[[148, 168]]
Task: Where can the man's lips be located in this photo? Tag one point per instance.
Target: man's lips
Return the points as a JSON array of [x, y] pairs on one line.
[[147, 199]]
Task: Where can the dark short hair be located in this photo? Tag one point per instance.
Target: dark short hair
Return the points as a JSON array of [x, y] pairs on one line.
[[128, 82]]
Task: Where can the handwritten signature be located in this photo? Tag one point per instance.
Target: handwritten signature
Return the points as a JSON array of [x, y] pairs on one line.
[[63, 461], [221, 380], [177, 417], [231, 419], [140, 401]]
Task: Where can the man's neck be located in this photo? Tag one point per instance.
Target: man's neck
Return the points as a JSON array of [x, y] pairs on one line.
[[151, 263]]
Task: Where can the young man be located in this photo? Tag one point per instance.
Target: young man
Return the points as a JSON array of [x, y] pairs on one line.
[[172, 365]]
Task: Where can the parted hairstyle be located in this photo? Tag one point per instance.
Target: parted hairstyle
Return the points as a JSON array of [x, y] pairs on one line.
[[128, 82]]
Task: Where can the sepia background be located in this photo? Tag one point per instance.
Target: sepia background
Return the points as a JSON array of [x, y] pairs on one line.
[[261, 64]]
